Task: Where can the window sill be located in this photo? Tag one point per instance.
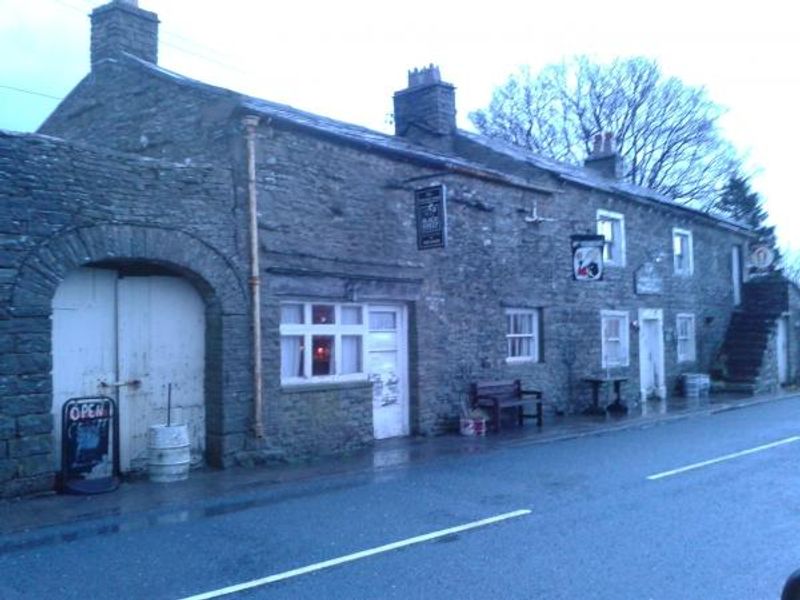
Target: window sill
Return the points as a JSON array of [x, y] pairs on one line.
[[320, 386], [521, 360]]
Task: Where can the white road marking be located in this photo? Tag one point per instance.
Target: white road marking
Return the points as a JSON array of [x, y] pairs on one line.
[[713, 461], [358, 555]]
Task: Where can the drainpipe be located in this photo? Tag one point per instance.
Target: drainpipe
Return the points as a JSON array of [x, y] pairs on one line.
[[250, 123]]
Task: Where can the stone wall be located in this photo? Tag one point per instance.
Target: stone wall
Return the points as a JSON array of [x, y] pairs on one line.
[[337, 223], [64, 206], [339, 214]]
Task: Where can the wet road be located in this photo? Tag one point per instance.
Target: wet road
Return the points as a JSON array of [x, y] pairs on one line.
[[707, 507]]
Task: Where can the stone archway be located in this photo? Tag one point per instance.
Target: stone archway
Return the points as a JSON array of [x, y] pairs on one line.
[[214, 276]]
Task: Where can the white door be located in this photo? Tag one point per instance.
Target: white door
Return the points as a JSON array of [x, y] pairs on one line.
[[782, 339], [736, 274], [84, 343], [161, 330], [387, 367], [135, 335], [651, 354]]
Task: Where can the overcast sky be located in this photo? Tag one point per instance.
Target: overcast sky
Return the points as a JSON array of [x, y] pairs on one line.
[[345, 58]]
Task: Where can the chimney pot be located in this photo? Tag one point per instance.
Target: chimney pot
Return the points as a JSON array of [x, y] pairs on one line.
[[604, 158], [122, 27], [428, 104]]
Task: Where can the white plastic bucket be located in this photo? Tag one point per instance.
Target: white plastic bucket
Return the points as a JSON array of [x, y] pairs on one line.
[[168, 454]]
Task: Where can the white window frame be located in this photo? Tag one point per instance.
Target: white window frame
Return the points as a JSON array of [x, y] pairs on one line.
[[624, 339], [534, 336], [307, 330], [614, 217], [677, 233], [691, 338]]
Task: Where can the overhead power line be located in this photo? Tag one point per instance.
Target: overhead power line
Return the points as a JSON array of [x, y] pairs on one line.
[[31, 92], [203, 52]]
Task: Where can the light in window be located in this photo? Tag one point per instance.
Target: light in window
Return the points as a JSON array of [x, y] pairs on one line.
[[322, 359], [323, 314]]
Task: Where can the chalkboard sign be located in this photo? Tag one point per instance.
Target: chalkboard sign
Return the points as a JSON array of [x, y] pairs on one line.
[[431, 212], [89, 445]]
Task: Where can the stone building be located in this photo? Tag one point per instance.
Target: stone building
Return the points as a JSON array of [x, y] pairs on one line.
[[128, 268]]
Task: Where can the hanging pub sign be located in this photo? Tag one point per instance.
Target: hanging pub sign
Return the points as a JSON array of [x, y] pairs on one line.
[[89, 445], [587, 257], [430, 207], [762, 257]]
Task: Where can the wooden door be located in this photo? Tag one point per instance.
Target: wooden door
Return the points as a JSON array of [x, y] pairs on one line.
[[782, 350], [387, 368], [651, 354], [129, 337]]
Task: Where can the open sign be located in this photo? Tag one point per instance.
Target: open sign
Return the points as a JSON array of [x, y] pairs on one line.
[[89, 442]]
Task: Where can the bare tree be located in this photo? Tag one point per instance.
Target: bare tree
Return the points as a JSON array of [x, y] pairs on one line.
[[667, 132]]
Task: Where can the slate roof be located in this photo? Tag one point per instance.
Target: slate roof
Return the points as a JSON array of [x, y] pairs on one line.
[[380, 141]]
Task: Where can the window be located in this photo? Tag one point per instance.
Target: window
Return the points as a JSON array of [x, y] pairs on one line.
[[611, 225], [686, 338], [682, 251], [523, 334], [615, 338], [322, 341]]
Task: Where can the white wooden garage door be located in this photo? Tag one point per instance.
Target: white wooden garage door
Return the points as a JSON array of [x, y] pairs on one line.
[[116, 330]]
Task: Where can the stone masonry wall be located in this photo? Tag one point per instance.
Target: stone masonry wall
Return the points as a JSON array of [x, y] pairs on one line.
[[347, 214], [337, 223], [66, 205]]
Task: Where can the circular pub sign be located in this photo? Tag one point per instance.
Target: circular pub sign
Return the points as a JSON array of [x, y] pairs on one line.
[[762, 257]]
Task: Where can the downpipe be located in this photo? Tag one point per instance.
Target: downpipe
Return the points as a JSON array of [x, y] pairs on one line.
[[250, 123]]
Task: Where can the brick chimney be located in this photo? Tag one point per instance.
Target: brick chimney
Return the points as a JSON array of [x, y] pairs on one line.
[[427, 107], [121, 26], [604, 158]]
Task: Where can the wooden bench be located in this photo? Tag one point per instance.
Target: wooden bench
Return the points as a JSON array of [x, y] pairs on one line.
[[499, 395]]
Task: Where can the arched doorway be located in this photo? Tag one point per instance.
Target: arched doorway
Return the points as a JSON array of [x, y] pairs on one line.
[[131, 333]]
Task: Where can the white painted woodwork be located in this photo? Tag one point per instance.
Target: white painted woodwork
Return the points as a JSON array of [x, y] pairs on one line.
[[111, 329], [782, 350], [161, 340], [83, 340], [736, 274], [651, 353], [387, 368]]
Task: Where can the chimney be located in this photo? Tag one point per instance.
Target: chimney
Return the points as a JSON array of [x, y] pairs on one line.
[[604, 158], [121, 26], [427, 107]]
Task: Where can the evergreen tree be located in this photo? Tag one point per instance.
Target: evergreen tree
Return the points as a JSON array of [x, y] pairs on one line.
[[742, 204]]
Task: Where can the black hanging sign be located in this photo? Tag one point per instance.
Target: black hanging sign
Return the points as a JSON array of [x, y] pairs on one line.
[[89, 445], [430, 206], [587, 257]]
